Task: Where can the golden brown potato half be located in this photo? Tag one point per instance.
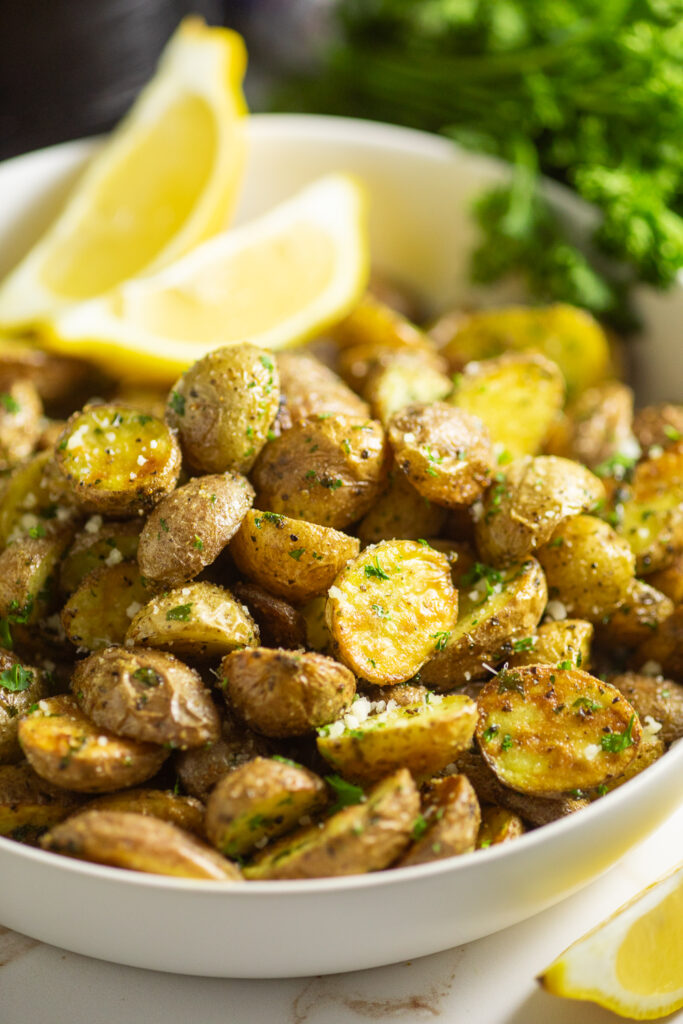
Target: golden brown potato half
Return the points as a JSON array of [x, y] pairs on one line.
[[566, 643], [498, 825], [651, 748], [516, 397], [97, 546], [280, 625], [328, 470], [190, 527], [28, 571], [117, 460], [588, 567], [651, 518], [312, 389], [99, 612], [448, 824], [659, 425], [146, 695], [359, 363], [67, 749], [601, 422], [401, 513], [286, 693], [199, 770], [665, 647], [223, 408], [496, 608], [258, 801], [670, 580], [374, 322], [20, 421], [643, 611], [527, 501], [424, 737], [545, 730], [34, 501], [138, 842], [201, 620], [366, 836], [409, 378], [444, 452], [290, 557], [390, 609], [29, 804], [184, 811], [20, 687], [656, 698]]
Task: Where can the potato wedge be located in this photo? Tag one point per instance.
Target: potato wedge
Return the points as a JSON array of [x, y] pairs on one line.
[[200, 769], [285, 693], [97, 546], [328, 471], [651, 518], [200, 619], [99, 612], [401, 513], [516, 397], [28, 575], [643, 611], [20, 421], [189, 528], [664, 647], [659, 425], [498, 825], [117, 460], [445, 453], [656, 698], [409, 378], [138, 842], [311, 389], [547, 731], [424, 737], [29, 804], [67, 749], [365, 837], [279, 624], [566, 643], [146, 695], [390, 609], [526, 503], [496, 608], [448, 824], [20, 687], [291, 558], [259, 801], [184, 811]]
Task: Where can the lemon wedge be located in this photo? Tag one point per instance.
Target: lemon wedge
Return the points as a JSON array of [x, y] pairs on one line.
[[632, 963], [273, 282], [166, 179]]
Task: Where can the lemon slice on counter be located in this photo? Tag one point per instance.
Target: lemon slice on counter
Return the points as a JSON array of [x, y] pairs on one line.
[[273, 282], [166, 179], [632, 963]]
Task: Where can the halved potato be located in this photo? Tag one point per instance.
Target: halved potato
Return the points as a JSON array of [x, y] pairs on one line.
[[20, 687], [29, 804], [670, 580], [35, 501], [279, 624], [498, 825], [20, 421], [97, 546], [408, 378], [651, 517], [390, 609], [311, 389], [655, 698], [601, 423], [665, 647], [374, 322], [28, 571], [184, 811], [200, 769], [659, 425], [642, 612], [401, 513], [448, 824], [99, 612], [566, 643]]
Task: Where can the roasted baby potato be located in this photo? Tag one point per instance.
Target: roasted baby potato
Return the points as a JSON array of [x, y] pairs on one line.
[[658, 699], [444, 452], [516, 397], [496, 608], [29, 804], [651, 518], [318, 636], [643, 611], [526, 503], [146, 695], [390, 609], [200, 769], [67, 749], [224, 406], [448, 824], [409, 378], [20, 687], [367, 836], [60, 381], [670, 580], [200, 619], [659, 425], [117, 460], [138, 842], [545, 730], [279, 624], [20, 421], [588, 567], [34, 501], [650, 749], [190, 527], [28, 570], [401, 513], [601, 422], [99, 612], [328, 471], [374, 322], [290, 557], [97, 546], [258, 801], [498, 826], [184, 811], [424, 737], [565, 643], [283, 693], [311, 389]]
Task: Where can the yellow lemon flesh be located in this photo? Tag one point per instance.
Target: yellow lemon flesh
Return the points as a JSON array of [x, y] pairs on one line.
[[632, 963], [273, 282], [166, 179]]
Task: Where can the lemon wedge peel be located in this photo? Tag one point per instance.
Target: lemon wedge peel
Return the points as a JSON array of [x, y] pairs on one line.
[[193, 106], [275, 282], [632, 963]]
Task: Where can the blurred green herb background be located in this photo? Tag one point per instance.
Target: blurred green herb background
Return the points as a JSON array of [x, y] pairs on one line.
[[589, 92]]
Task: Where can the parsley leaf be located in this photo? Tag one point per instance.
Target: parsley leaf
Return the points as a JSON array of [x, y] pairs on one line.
[[16, 678], [615, 742], [376, 571], [345, 792]]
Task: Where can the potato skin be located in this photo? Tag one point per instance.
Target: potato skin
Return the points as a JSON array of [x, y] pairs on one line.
[[29, 804], [63, 746], [658, 425], [283, 693], [138, 842], [328, 471], [261, 799], [498, 825], [190, 527], [665, 646], [642, 612], [100, 610], [310, 388], [200, 769], [410, 377], [14, 703], [601, 421], [364, 837], [20, 421], [445, 453], [146, 695], [94, 547], [554, 643], [294, 559], [651, 517], [223, 407], [27, 569], [184, 811], [670, 580], [452, 815], [660, 698], [280, 625], [545, 730], [401, 513]]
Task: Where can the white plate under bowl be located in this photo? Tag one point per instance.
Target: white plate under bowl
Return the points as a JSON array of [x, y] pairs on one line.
[[420, 188]]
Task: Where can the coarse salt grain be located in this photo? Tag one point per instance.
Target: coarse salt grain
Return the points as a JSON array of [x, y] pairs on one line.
[[335, 730], [93, 525], [114, 557], [132, 609], [651, 726], [141, 460], [556, 611], [591, 751]]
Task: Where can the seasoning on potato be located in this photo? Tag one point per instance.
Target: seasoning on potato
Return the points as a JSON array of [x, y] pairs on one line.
[[498, 826], [279, 623], [99, 544], [310, 389], [21, 686], [99, 612], [184, 811], [448, 824], [401, 513], [20, 422], [200, 769], [30, 804]]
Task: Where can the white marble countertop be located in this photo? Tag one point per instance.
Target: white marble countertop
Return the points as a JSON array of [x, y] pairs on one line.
[[487, 982]]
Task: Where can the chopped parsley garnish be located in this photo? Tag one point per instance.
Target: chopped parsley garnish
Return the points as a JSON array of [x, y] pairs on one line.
[[602, 789], [345, 792], [6, 634], [442, 638], [164, 525], [672, 433], [565, 666], [10, 404], [147, 676], [143, 419], [615, 742], [285, 760], [489, 733], [510, 681], [507, 741], [37, 531], [19, 614], [331, 484], [310, 475], [587, 703], [479, 571], [525, 644], [177, 403], [181, 613], [616, 465], [198, 543], [376, 571], [378, 610], [16, 678], [296, 553], [420, 826], [267, 363]]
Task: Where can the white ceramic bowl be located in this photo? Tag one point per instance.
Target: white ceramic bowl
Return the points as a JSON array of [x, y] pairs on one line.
[[420, 188]]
